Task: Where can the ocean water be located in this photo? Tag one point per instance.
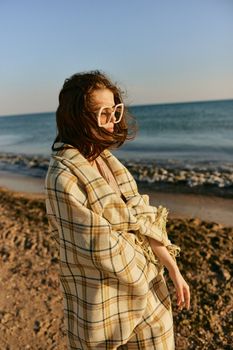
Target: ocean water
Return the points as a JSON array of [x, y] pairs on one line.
[[180, 133]]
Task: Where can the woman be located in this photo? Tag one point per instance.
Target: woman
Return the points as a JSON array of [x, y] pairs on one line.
[[113, 244]]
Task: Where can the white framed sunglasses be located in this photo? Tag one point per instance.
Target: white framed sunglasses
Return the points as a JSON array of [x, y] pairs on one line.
[[106, 113]]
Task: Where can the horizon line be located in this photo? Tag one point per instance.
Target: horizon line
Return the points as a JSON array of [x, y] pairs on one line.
[[129, 106]]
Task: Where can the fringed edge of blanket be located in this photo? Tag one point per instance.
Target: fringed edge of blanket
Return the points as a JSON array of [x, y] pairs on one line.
[[174, 250], [161, 222], [142, 241]]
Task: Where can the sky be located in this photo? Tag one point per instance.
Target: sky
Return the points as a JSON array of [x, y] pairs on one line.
[[157, 51]]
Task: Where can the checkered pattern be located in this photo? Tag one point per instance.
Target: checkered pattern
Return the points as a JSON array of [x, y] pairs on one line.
[[114, 292]]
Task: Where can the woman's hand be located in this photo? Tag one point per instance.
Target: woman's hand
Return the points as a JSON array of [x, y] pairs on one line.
[[182, 289], [181, 286]]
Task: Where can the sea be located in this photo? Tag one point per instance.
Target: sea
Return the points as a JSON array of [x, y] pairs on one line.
[[190, 135]]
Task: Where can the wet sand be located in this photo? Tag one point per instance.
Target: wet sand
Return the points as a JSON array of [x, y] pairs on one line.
[[21, 183], [208, 208], [180, 205]]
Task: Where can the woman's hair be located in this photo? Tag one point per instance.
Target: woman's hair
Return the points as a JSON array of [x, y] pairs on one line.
[[76, 119]]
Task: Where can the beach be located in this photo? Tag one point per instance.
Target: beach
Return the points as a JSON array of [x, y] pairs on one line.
[[181, 158], [31, 310]]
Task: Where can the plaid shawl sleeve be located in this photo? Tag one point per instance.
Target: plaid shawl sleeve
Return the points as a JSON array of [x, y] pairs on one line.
[[151, 221]]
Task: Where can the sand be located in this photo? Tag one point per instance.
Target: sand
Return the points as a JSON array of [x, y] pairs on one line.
[[31, 312]]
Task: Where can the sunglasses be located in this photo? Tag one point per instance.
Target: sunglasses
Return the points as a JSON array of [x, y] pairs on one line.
[[107, 114]]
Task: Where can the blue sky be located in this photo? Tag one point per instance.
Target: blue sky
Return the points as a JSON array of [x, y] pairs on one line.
[[158, 51]]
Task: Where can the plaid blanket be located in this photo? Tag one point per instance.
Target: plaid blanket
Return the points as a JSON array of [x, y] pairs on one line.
[[106, 263]]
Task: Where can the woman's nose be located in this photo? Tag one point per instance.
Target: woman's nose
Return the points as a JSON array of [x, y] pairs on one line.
[[113, 117]]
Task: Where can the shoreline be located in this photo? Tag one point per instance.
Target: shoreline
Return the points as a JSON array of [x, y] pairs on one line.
[[180, 204], [210, 178]]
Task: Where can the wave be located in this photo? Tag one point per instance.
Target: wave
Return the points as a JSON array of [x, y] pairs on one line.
[[192, 174]]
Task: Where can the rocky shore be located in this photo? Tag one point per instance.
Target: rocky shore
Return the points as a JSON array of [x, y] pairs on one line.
[[204, 178], [209, 180], [31, 313], [26, 164]]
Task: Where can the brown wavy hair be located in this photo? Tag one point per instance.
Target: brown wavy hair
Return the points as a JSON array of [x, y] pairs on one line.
[[76, 119]]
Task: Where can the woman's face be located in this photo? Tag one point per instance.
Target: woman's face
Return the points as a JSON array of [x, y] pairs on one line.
[[103, 97]]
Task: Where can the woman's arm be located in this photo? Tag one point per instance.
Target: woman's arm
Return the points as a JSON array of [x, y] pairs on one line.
[[182, 288]]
